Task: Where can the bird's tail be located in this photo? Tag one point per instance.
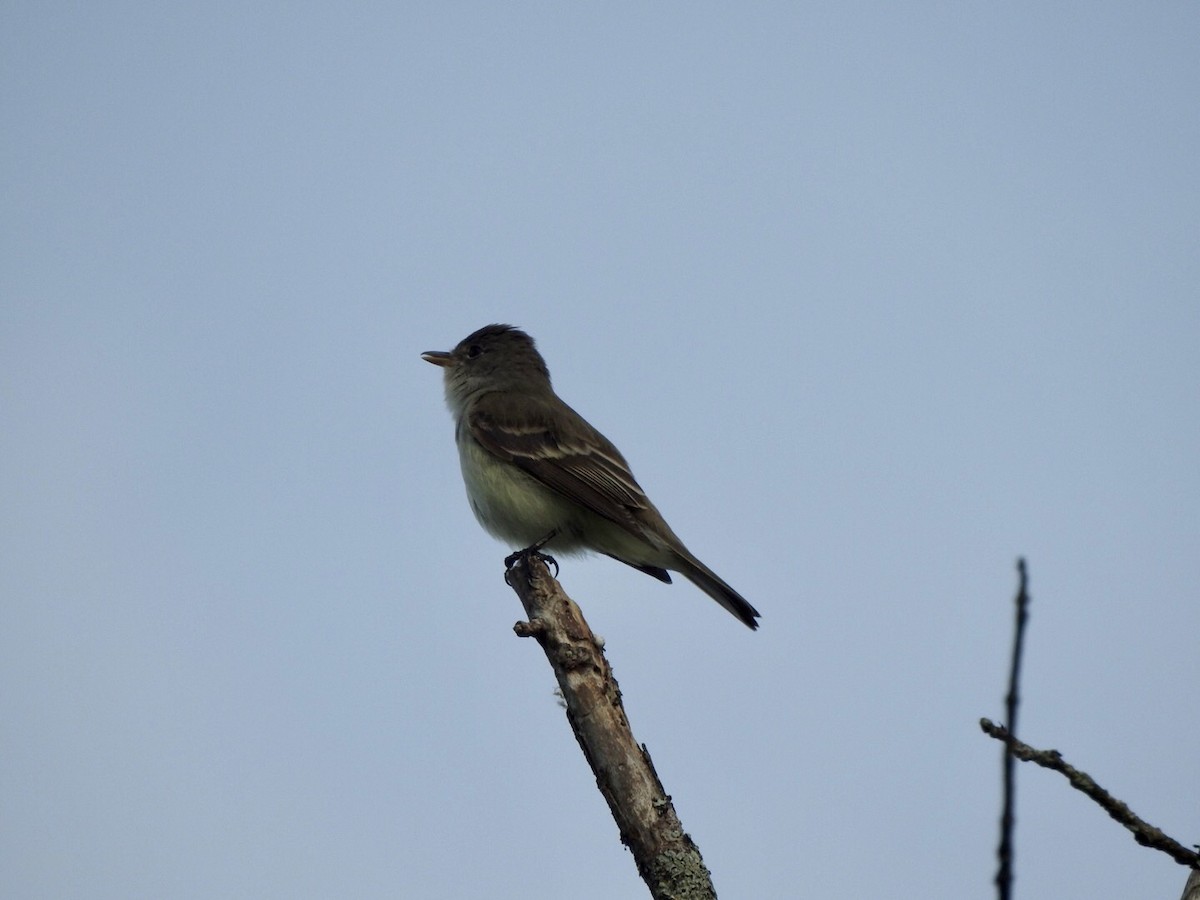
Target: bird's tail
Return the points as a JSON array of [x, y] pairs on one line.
[[708, 581]]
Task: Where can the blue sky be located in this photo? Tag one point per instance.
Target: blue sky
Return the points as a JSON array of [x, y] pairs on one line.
[[874, 299]]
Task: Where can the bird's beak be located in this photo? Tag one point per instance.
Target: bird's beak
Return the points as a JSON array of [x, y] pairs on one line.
[[438, 358]]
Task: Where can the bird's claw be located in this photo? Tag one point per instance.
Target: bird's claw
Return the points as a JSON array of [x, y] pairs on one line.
[[530, 553]]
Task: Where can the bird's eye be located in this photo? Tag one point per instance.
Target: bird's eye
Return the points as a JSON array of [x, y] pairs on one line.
[[473, 351]]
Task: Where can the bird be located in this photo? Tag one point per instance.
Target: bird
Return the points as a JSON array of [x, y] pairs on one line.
[[538, 475]]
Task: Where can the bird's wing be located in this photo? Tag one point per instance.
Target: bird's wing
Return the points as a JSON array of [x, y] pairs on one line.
[[583, 466]]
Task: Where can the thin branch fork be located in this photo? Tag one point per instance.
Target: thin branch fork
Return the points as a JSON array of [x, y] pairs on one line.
[[667, 859], [1144, 833]]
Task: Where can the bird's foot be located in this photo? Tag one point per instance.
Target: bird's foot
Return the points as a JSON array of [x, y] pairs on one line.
[[534, 550]]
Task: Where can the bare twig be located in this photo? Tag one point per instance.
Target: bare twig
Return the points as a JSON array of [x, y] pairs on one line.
[[1143, 832], [1004, 873], [667, 859]]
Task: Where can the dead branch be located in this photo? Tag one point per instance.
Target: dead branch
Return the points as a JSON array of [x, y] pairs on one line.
[[1004, 873], [1143, 832], [667, 858]]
